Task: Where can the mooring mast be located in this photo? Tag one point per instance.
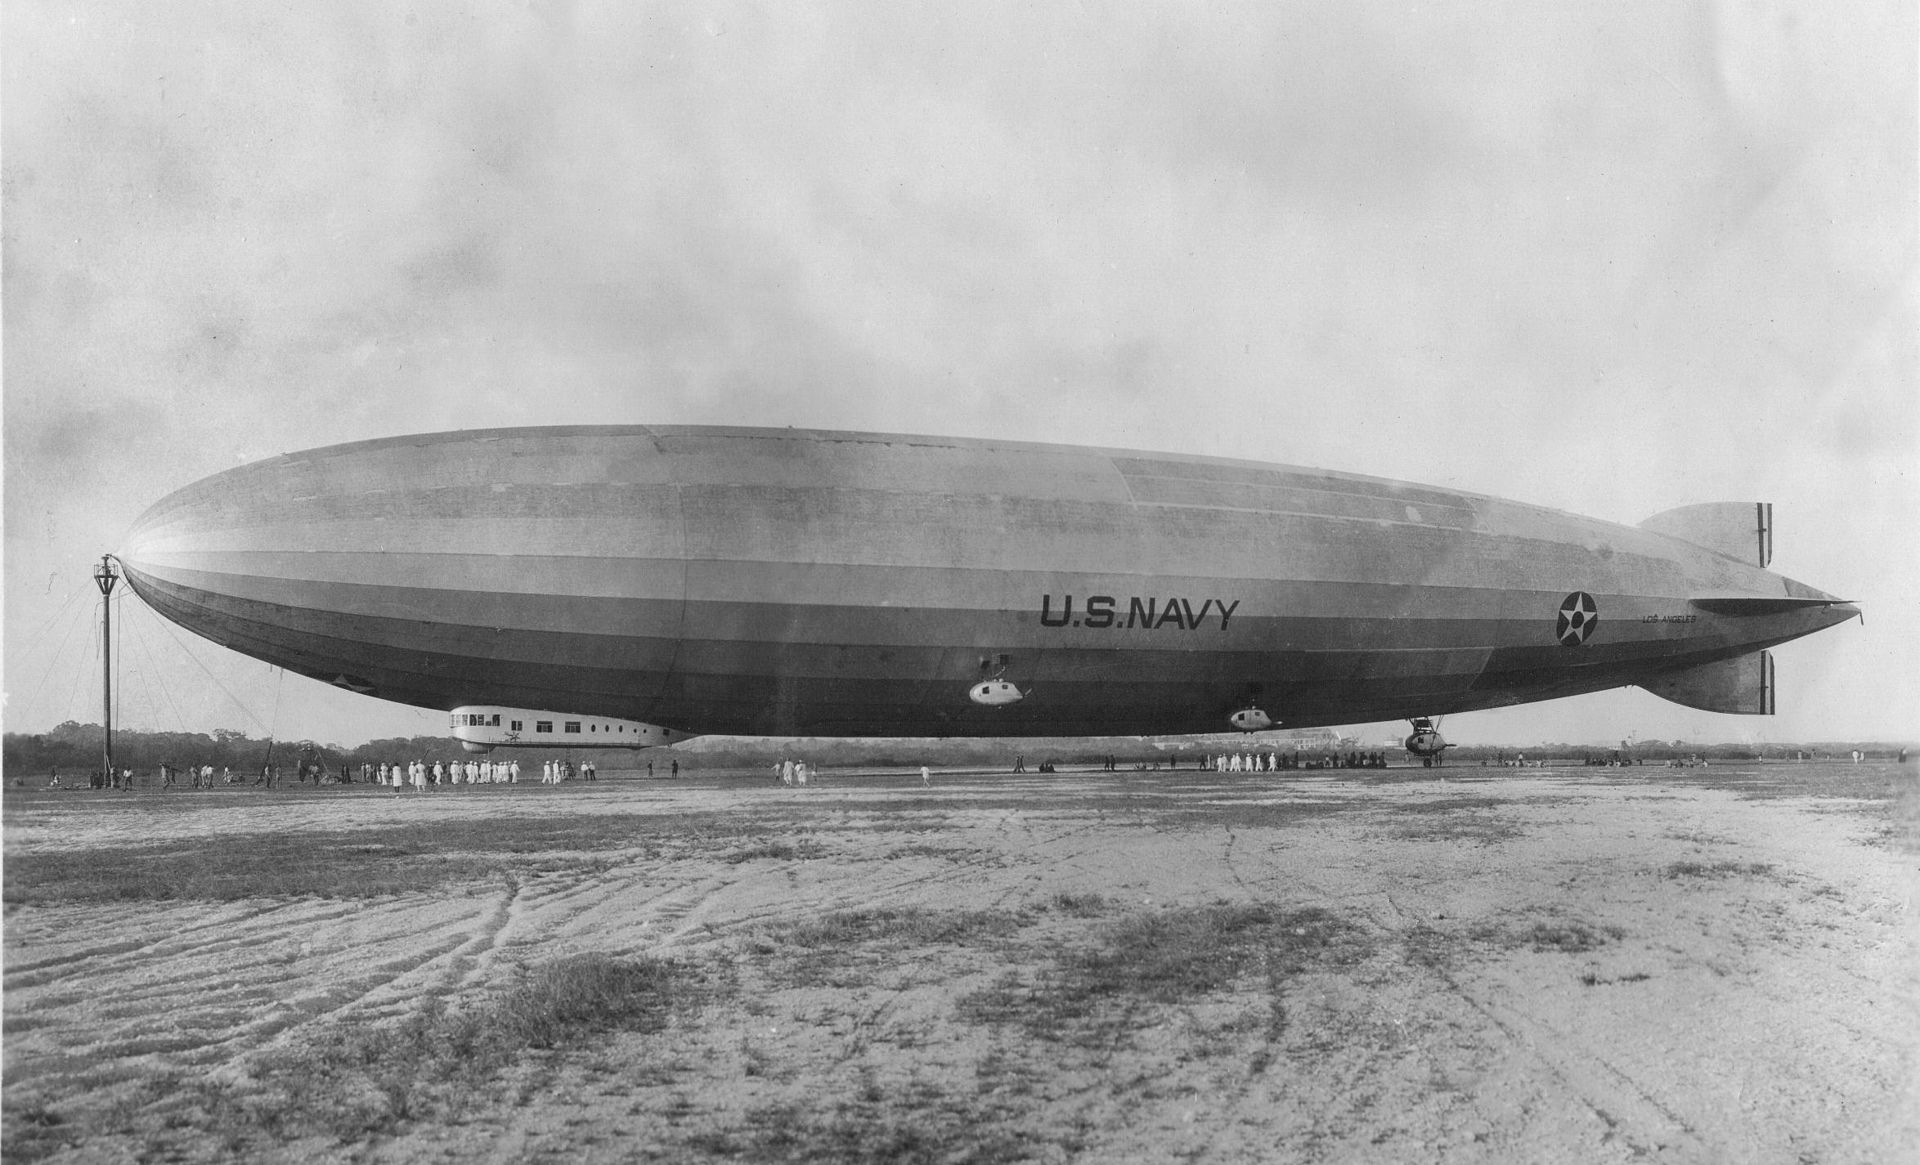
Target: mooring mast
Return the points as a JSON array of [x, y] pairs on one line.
[[104, 578]]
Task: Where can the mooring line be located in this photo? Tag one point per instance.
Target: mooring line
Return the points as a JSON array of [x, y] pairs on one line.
[[60, 653], [216, 679], [147, 650]]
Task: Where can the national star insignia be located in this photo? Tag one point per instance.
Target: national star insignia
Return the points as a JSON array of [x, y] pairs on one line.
[[1578, 616]]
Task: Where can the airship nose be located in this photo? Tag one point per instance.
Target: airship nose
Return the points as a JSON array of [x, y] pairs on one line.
[[154, 556], [162, 540]]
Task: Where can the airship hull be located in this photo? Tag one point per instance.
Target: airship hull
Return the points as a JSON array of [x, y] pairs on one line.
[[790, 582]]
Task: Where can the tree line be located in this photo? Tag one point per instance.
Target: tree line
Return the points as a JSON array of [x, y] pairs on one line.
[[75, 748]]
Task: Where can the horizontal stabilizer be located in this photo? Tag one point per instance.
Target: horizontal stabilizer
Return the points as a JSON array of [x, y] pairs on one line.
[[1741, 686], [1756, 605], [1742, 530]]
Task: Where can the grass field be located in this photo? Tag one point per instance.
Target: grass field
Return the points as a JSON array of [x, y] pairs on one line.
[[1495, 965]]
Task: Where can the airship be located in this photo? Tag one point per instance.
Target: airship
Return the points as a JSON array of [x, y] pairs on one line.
[[637, 585]]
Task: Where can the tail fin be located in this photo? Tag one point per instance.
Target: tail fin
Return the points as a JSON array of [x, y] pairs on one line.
[[1742, 530], [1741, 686]]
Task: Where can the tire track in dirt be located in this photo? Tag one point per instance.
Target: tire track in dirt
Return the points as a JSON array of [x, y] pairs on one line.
[[466, 963], [1239, 1094], [922, 972], [108, 957], [770, 892], [253, 978], [1023, 837], [762, 894], [1627, 1109], [888, 997]]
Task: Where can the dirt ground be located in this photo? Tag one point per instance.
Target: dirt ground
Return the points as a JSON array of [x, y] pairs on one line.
[[1471, 965]]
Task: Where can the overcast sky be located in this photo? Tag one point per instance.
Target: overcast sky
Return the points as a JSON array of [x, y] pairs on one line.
[[1609, 258]]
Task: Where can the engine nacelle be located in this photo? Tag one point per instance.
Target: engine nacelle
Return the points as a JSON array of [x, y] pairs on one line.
[[1250, 720], [995, 693], [1426, 740]]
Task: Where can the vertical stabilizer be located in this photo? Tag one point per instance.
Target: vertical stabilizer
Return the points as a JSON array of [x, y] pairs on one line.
[[1742, 530], [1742, 686]]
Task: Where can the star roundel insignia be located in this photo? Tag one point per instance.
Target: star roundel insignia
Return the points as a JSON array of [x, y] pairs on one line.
[[1578, 616]]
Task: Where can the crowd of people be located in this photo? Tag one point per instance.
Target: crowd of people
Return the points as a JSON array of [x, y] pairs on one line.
[[97, 779], [422, 776], [419, 774], [1244, 762], [1268, 762]]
